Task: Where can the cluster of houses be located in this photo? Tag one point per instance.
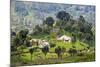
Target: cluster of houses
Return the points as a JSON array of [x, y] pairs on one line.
[[42, 43]]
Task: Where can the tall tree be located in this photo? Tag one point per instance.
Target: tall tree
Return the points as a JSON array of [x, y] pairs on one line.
[[21, 37], [23, 33], [49, 21], [62, 15]]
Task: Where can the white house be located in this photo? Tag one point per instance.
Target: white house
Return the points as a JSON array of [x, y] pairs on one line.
[[44, 43], [64, 38]]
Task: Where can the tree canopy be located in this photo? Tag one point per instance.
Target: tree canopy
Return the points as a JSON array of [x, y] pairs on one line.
[[62, 15], [49, 21]]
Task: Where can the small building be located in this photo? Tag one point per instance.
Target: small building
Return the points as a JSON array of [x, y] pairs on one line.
[[44, 43], [64, 38]]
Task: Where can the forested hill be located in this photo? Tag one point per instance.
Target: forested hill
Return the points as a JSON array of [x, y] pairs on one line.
[[29, 14]]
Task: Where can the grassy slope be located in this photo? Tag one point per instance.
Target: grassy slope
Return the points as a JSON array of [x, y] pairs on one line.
[[51, 57]]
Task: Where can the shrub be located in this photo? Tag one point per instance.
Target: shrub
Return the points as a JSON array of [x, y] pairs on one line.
[[72, 51], [52, 45], [45, 50], [63, 49], [58, 51]]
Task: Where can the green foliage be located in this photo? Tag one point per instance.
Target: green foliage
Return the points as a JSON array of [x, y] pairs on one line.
[[49, 21], [72, 51], [38, 28], [45, 50], [82, 36], [62, 32], [52, 35], [73, 39], [29, 37], [23, 33], [58, 51], [62, 15], [52, 45], [63, 50], [31, 50], [16, 41], [46, 29], [22, 36], [27, 43]]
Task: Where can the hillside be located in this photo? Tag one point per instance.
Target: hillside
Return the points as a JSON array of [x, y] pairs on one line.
[[50, 33], [33, 13]]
